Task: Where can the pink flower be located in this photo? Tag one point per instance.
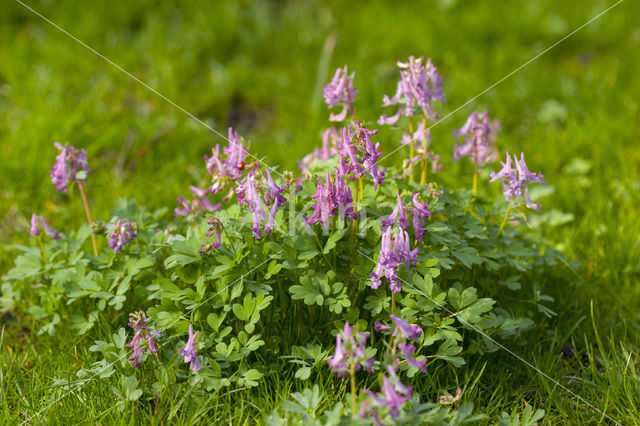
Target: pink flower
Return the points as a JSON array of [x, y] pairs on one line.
[[189, 351], [71, 166]]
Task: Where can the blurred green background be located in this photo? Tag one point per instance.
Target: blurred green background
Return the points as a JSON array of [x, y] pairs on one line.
[[260, 66]]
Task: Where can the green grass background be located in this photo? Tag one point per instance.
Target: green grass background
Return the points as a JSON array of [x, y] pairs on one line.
[[260, 67]]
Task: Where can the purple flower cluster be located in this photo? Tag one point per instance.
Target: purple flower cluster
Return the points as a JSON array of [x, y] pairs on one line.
[[215, 227], [350, 351], [480, 133], [394, 394], [395, 247], [35, 228], [258, 199], [199, 203], [143, 338], [190, 349], [358, 155], [230, 167], [403, 331], [340, 91], [331, 198], [123, 233], [71, 166], [514, 181], [419, 86]]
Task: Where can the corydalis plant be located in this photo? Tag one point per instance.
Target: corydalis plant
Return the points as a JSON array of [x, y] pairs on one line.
[[143, 339], [350, 356], [480, 134], [35, 228], [122, 234], [215, 227], [515, 182], [72, 166], [190, 349], [257, 197], [358, 155], [199, 204], [340, 92], [395, 246], [333, 197], [393, 394], [418, 88]]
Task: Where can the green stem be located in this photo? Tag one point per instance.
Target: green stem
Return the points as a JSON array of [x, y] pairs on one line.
[[292, 208], [475, 181], [393, 302], [88, 212], [44, 253], [411, 147], [352, 379], [506, 216]]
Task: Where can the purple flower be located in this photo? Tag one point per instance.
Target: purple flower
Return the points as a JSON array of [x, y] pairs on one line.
[[71, 166], [252, 197], [479, 134], [421, 213], [406, 330], [514, 181], [419, 86], [448, 399], [199, 203], [189, 351], [350, 350], [392, 255], [398, 213], [231, 166], [356, 143], [256, 206], [123, 233], [340, 91], [394, 392], [35, 230], [331, 197], [407, 351], [138, 321], [273, 197]]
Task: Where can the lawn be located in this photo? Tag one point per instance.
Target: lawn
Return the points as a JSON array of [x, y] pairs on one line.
[[260, 67]]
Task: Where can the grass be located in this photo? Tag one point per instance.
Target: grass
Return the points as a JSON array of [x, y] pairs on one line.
[[260, 66]]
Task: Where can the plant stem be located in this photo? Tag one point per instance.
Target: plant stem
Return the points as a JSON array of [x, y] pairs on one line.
[[423, 176], [355, 197], [475, 181], [361, 192], [411, 146], [393, 302], [44, 253], [352, 377], [506, 216], [86, 209], [292, 208]]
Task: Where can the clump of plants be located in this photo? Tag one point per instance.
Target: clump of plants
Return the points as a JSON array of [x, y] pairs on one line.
[[262, 269]]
